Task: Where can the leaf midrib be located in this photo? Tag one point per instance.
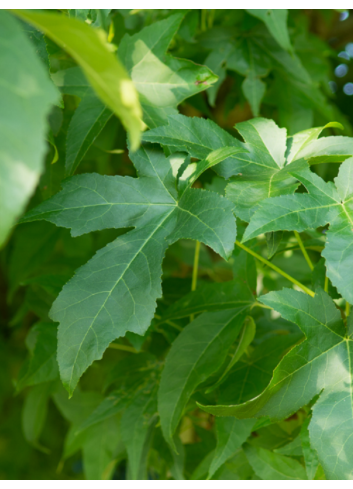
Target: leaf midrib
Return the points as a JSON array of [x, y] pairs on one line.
[[111, 291]]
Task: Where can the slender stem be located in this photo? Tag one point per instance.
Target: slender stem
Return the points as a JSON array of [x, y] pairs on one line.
[[211, 18], [203, 19], [326, 284], [196, 266], [258, 304], [171, 323], [174, 325], [118, 346], [276, 269], [348, 309], [302, 247], [195, 271]]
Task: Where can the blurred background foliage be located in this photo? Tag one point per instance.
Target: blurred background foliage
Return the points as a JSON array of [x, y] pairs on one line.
[[301, 80]]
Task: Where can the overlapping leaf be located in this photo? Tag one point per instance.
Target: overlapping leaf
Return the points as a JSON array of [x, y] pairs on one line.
[[105, 73], [318, 366], [325, 203], [197, 352], [26, 97], [116, 290], [162, 82], [276, 22], [261, 172]]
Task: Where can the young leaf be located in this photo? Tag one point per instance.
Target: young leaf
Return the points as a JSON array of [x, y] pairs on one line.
[[26, 97], [161, 80], [103, 70], [197, 352], [116, 290]]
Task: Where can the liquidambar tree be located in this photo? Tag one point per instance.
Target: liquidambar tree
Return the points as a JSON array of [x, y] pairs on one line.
[[176, 198]]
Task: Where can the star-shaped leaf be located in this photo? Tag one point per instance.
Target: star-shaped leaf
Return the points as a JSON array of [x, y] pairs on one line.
[[116, 290], [325, 203]]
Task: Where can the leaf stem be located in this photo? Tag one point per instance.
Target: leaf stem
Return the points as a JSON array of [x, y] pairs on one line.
[[196, 266], [326, 284], [302, 247], [195, 271], [203, 19], [348, 309], [211, 18], [276, 269], [118, 346]]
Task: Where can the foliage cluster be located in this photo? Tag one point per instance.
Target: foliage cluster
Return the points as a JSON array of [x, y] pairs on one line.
[[181, 271]]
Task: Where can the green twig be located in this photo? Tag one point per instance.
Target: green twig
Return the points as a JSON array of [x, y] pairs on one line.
[[276, 269], [203, 19], [195, 271], [211, 18], [326, 284], [302, 247], [348, 309]]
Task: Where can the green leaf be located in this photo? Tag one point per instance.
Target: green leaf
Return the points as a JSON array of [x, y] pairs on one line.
[[332, 149], [272, 466], [196, 353], [42, 365], [72, 81], [276, 23], [310, 455], [195, 170], [162, 88], [34, 413], [116, 290], [137, 424], [103, 70], [253, 372], [216, 61], [26, 97], [161, 80], [296, 212], [297, 143], [99, 450], [86, 124], [246, 338], [237, 468], [208, 298], [323, 204], [318, 366], [273, 240], [231, 434], [254, 90], [339, 263], [246, 60]]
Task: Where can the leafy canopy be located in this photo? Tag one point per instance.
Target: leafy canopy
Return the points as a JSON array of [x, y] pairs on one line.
[[185, 296]]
